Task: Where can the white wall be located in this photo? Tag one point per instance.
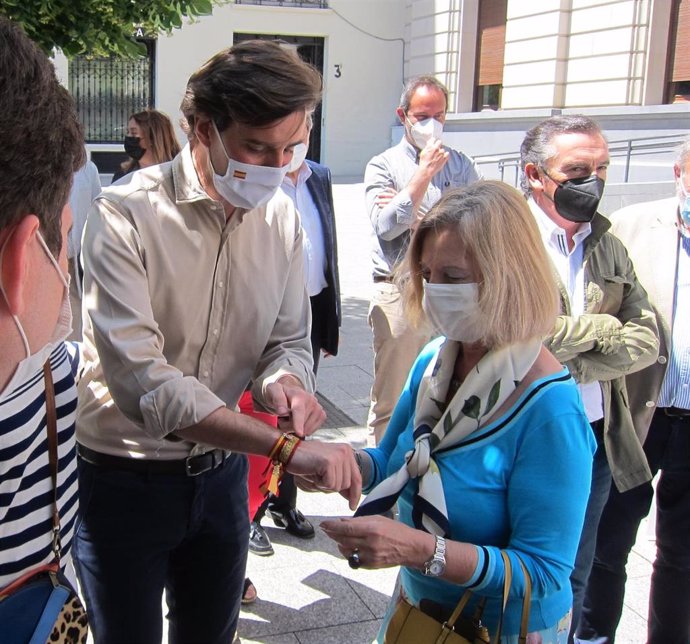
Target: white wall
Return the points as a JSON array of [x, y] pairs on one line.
[[582, 53], [358, 107]]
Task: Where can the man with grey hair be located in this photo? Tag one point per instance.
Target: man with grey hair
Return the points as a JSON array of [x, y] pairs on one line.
[[657, 235], [401, 185], [607, 327]]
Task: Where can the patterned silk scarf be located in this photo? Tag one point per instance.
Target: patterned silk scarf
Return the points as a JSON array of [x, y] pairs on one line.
[[438, 427]]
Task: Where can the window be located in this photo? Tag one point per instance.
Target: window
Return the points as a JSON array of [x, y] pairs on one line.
[[488, 97], [678, 87], [491, 42], [108, 90], [310, 49]]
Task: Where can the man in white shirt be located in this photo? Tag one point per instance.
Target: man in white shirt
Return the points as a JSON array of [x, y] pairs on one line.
[[401, 185], [309, 187], [194, 287], [607, 327]]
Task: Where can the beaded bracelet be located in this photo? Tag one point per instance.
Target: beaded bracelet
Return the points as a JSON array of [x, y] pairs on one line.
[[280, 456]]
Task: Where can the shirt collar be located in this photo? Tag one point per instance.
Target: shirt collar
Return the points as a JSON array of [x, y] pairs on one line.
[[304, 174], [409, 149], [554, 234], [187, 184]]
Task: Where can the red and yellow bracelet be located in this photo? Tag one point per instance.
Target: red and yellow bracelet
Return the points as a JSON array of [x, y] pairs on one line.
[[280, 456]]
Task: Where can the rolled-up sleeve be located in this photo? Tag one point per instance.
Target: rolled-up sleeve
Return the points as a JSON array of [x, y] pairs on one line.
[[398, 215], [150, 392]]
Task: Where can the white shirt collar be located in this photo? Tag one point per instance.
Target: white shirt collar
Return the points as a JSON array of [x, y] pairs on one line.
[[553, 234], [304, 174]]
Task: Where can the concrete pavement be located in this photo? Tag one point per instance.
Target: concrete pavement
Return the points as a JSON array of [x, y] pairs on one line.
[[307, 592]]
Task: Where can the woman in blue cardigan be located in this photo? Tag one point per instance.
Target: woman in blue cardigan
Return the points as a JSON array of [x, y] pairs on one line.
[[488, 448]]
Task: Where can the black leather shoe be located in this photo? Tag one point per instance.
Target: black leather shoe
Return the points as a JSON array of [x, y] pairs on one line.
[[259, 543], [293, 521]]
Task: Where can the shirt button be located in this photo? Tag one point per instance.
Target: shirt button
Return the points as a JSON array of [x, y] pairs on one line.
[[220, 284], [662, 360], [215, 331], [205, 374], [650, 403]]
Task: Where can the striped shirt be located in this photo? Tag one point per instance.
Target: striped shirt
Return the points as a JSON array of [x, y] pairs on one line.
[[675, 391], [26, 491]]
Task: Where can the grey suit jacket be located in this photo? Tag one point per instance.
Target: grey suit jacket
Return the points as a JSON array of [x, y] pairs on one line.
[[649, 231]]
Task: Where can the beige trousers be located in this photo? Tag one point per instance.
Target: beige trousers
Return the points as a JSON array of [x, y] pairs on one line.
[[396, 346]]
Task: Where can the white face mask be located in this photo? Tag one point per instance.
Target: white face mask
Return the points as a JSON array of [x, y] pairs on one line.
[[684, 203], [245, 185], [33, 362], [453, 310], [423, 131], [299, 154]]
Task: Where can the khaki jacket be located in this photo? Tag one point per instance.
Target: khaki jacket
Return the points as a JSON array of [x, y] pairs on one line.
[[616, 335], [649, 232]]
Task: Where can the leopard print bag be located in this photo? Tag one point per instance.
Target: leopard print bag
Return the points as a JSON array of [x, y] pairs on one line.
[[41, 606]]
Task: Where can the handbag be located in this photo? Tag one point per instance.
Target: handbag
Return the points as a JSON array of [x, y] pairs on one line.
[[42, 606], [409, 625]]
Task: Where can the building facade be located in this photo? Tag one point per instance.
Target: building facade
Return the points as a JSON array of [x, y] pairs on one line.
[[507, 64]]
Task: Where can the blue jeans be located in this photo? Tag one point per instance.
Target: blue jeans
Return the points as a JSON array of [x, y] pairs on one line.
[[141, 533], [668, 449], [598, 494]]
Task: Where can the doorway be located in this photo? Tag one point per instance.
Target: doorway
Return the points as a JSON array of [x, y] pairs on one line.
[[310, 49]]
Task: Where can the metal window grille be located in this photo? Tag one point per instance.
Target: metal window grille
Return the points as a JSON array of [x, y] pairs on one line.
[[312, 4], [108, 90]]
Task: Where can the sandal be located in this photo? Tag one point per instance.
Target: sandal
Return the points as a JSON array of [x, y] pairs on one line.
[[249, 594]]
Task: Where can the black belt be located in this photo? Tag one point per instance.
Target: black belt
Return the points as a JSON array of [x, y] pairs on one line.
[[383, 278], [676, 412], [190, 466]]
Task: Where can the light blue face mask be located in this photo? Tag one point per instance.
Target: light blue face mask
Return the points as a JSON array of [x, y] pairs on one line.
[[684, 205]]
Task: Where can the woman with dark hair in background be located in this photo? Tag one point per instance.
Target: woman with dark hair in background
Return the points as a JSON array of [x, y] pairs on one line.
[[150, 140]]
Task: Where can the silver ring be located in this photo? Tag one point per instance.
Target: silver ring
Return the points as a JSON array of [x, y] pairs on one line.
[[353, 560]]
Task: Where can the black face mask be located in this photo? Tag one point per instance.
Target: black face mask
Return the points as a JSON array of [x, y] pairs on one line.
[[577, 200], [132, 147]]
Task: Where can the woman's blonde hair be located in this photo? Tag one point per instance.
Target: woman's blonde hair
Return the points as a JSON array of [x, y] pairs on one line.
[[518, 296], [158, 130]]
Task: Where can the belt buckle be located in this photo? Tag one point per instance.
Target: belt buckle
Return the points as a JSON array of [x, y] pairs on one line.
[[197, 464], [216, 458]]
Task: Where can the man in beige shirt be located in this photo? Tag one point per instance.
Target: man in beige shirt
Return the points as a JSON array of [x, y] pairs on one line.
[[193, 288]]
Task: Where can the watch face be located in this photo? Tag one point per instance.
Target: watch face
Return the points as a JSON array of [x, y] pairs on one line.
[[436, 568]]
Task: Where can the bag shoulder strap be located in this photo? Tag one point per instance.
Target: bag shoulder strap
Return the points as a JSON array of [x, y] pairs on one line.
[[507, 583], [526, 601], [51, 426]]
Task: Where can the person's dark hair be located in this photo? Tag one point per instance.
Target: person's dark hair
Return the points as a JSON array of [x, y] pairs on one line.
[[256, 82], [413, 84], [42, 140], [537, 145], [160, 135]]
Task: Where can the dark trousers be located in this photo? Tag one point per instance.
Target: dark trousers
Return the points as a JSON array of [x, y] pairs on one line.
[[599, 492], [141, 533], [668, 449]]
